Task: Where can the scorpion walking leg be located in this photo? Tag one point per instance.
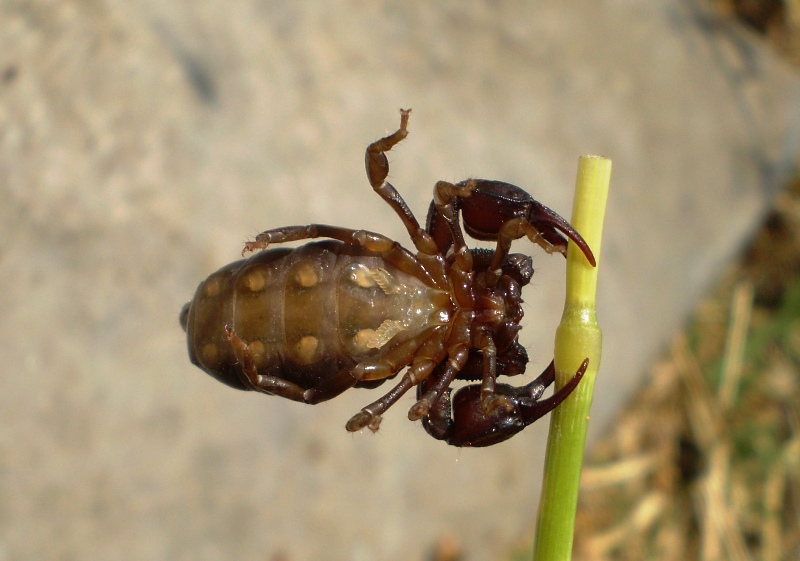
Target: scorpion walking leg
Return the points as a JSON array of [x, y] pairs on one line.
[[378, 169], [445, 200], [370, 416], [425, 360], [491, 401], [260, 382], [376, 368], [388, 249], [434, 391], [515, 229]]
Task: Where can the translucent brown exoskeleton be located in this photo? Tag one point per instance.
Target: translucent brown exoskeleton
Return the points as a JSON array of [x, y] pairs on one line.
[[358, 308]]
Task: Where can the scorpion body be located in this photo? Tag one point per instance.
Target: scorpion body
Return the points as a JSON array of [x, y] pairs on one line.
[[358, 308]]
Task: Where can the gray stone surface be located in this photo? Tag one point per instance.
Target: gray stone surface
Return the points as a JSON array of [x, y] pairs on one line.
[[142, 142]]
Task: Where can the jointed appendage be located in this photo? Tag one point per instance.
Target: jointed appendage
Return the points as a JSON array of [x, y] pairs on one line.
[[463, 421], [387, 248], [378, 170], [497, 211]]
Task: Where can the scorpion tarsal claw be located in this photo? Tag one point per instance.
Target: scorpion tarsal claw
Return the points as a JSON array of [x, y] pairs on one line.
[[363, 419], [419, 410], [494, 402]]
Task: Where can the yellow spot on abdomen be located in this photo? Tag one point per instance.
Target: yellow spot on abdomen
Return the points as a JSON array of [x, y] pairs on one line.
[[306, 276], [255, 281], [210, 354], [306, 349], [212, 288], [256, 349]]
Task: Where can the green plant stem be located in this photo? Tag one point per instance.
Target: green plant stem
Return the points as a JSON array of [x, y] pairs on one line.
[[578, 337]]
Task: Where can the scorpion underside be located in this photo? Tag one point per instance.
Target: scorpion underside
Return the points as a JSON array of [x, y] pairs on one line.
[[357, 309]]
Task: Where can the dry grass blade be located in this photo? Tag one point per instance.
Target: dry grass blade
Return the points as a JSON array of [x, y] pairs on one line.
[[741, 308], [720, 533], [619, 472], [646, 513]]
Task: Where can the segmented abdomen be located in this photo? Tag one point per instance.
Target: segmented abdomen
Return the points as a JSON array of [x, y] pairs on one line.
[[304, 313]]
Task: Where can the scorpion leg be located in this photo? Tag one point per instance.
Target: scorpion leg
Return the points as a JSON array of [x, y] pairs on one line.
[[261, 382], [491, 400], [425, 360], [462, 421], [378, 169], [387, 248], [446, 197], [511, 362], [376, 368], [459, 354], [515, 229]]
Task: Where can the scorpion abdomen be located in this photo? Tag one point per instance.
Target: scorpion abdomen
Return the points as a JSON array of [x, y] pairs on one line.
[[304, 313]]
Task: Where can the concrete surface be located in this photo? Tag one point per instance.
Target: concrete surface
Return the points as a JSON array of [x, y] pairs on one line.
[[142, 142]]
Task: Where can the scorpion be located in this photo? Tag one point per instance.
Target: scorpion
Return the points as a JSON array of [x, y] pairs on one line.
[[358, 308]]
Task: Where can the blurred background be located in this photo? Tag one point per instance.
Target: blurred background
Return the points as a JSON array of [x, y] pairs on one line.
[[141, 143]]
